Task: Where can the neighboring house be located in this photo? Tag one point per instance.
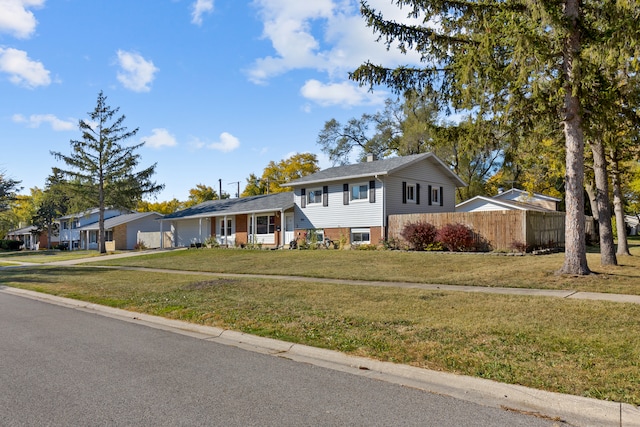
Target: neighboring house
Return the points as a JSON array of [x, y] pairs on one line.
[[513, 199], [234, 222], [30, 239], [633, 224], [70, 224], [355, 201], [121, 231], [516, 195]]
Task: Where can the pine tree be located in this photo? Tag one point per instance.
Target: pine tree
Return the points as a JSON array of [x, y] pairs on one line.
[[101, 169], [516, 60]]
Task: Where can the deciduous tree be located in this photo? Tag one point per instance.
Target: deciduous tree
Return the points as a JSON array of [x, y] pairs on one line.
[[276, 174]]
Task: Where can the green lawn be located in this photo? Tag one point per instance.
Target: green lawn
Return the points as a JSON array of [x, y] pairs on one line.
[[421, 267], [41, 257], [587, 348]]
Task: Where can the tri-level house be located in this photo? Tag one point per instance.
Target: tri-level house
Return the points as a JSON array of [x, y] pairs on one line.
[[351, 201], [354, 201]]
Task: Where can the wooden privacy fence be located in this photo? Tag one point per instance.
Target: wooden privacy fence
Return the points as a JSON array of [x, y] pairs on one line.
[[499, 230]]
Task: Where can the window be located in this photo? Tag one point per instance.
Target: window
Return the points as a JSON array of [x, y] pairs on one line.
[[411, 193], [65, 225], [435, 195], [359, 192], [264, 225], [360, 235], [225, 231], [314, 196], [317, 234], [108, 236]]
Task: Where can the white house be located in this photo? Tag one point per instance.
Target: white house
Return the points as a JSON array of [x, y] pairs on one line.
[[234, 222], [70, 224], [354, 201], [121, 231]]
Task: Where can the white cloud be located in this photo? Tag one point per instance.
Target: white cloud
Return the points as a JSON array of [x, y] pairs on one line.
[[329, 36], [22, 70], [35, 120], [16, 20], [345, 94], [226, 144], [136, 72], [160, 138], [200, 7]]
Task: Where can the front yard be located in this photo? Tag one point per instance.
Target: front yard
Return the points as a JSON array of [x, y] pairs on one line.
[[419, 267], [586, 348]]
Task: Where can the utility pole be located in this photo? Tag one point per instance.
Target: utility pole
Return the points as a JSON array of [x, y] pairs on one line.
[[236, 182]]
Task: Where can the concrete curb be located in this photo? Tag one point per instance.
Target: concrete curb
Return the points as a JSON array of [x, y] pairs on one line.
[[574, 410]]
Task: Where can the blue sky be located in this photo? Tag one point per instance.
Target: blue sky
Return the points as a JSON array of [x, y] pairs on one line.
[[217, 88]]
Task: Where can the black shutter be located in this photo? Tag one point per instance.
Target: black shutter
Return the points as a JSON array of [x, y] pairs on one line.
[[417, 193], [372, 191], [303, 194], [441, 198], [404, 192], [429, 191], [325, 195], [345, 194]]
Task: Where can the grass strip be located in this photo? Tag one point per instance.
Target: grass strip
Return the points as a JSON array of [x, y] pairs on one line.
[[586, 348], [42, 257], [419, 267]]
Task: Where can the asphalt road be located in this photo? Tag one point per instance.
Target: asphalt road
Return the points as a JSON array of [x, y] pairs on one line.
[[66, 367]]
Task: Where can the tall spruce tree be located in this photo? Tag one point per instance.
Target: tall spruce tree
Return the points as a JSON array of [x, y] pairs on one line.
[[102, 169], [519, 58]]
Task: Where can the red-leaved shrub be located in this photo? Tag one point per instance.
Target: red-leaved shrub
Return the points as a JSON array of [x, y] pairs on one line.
[[456, 237], [419, 235]]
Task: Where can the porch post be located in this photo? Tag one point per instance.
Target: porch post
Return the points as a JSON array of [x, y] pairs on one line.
[[282, 228], [161, 234], [224, 231]]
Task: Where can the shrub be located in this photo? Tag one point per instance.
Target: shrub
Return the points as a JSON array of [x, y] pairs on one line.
[[10, 245], [366, 247], [518, 246], [419, 235], [456, 237], [140, 246]]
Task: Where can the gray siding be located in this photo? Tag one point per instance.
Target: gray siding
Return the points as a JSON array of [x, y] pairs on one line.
[[147, 224], [426, 174], [359, 213], [188, 231]]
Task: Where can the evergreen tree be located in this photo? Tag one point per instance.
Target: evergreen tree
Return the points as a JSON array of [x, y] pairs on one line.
[[516, 58], [8, 189], [102, 169]]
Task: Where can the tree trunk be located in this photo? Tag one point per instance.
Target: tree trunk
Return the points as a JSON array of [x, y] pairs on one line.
[[575, 257], [590, 187], [618, 207], [607, 248]]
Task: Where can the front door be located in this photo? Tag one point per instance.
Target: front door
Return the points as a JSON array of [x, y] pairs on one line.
[[226, 232], [289, 228]]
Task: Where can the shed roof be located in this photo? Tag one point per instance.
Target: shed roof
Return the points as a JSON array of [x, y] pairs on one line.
[[500, 204]]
